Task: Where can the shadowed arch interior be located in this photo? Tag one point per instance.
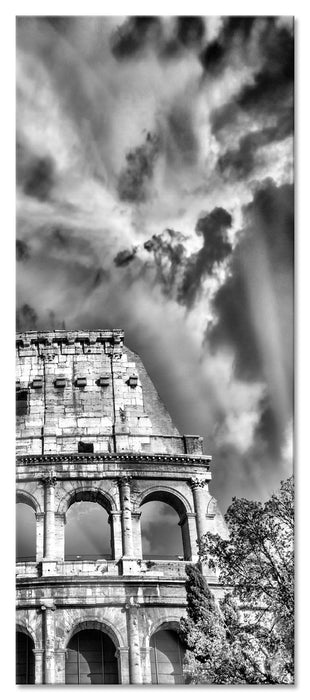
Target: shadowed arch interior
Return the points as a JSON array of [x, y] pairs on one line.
[[90, 495], [160, 530], [167, 653], [90, 658], [25, 661], [87, 529], [25, 531]]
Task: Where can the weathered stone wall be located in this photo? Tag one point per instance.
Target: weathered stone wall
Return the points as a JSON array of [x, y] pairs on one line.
[[88, 387], [85, 387]]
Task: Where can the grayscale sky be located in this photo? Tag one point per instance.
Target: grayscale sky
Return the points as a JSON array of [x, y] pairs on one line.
[[154, 194]]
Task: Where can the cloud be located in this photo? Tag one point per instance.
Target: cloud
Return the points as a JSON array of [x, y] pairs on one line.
[[254, 310], [181, 137], [36, 174], [26, 318], [149, 213], [190, 30], [217, 52], [124, 257], [134, 35], [269, 92], [22, 251], [135, 177], [240, 162], [216, 247]]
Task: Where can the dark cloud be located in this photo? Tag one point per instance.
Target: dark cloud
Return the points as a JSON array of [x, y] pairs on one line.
[[36, 174], [240, 162], [22, 251], [272, 212], [135, 178], [134, 35], [169, 257], [26, 318], [266, 247], [277, 74], [182, 139], [216, 247], [239, 24], [137, 34], [190, 30], [54, 322], [179, 275], [234, 325], [216, 53], [213, 55], [61, 24], [100, 276], [269, 429], [124, 257], [60, 236], [270, 95]]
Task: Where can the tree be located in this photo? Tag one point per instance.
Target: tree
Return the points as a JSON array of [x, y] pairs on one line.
[[254, 624], [202, 631]]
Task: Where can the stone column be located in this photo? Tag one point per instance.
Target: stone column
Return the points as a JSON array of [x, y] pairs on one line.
[[60, 666], [49, 524], [39, 536], [145, 653], [49, 642], [197, 486], [126, 516], [59, 540], [189, 536], [116, 533], [134, 643], [137, 542], [122, 655], [38, 666]]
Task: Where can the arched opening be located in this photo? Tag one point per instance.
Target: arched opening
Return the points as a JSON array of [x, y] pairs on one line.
[[25, 533], [164, 526], [25, 662], [87, 532], [160, 532], [90, 659], [167, 653]]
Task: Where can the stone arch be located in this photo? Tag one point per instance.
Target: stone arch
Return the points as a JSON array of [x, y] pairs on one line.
[[168, 495], [25, 656], [169, 622], [26, 526], [166, 646], [104, 626], [87, 493], [23, 628], [180, 504], [28, 499]]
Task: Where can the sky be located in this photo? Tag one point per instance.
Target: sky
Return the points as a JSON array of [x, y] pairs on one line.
[[155, 194]]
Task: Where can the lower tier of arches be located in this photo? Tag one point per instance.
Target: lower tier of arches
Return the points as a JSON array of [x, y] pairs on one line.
[[147, 649]]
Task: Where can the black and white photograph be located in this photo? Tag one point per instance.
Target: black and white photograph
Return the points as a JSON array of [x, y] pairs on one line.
[[155, 350]]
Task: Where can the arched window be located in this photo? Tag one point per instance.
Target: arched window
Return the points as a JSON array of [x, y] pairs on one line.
[[25, 533], [87, 532], [24, 659], [160, 531], [165, 525], [167, 654], [90, 659]]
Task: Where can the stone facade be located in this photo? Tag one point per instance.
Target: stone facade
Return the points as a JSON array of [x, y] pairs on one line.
[[91, 426]]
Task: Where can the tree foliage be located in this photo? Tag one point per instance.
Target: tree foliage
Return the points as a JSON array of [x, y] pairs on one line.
[[249, 637]]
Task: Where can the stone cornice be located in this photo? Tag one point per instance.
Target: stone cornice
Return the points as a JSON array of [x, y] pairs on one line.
[[116, 335], [108, 457]]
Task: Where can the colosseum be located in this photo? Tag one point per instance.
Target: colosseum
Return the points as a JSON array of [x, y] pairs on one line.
[[93, 434]]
